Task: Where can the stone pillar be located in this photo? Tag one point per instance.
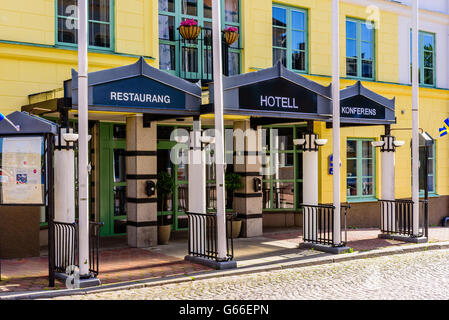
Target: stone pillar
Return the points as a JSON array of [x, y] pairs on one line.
[[388, 182], [141, 166], [248, 201], [310, 185]]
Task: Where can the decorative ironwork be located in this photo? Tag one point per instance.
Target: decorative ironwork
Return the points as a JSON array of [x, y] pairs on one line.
[[203, 236], [66, 244], [94, 247], [318, 224]]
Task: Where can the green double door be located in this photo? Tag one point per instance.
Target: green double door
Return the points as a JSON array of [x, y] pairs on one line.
[[112, 179], [112, 167]]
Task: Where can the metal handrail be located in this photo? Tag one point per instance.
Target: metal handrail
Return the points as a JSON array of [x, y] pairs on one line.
[[66, 244], [203, 233], [320, 229], [396, 217]]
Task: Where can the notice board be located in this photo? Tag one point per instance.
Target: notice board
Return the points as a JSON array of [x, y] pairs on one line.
[[22, 180]]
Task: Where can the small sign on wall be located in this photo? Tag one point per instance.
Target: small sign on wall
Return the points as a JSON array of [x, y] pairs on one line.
[[331, 164]]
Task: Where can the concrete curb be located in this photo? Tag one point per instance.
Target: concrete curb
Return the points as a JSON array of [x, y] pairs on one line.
[[139, 284]]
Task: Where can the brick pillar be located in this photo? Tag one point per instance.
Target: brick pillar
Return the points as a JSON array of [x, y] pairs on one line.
[[247, 201], [141, 166]]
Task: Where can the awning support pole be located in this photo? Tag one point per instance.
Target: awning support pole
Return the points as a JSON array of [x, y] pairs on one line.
[[415, 117], [219, 139], [336, 119], [83, 177]]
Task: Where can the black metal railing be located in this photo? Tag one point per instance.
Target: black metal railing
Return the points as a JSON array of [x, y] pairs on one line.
[[66, 245], [94, 247], [203, 237], [318, 224], [396, 218]]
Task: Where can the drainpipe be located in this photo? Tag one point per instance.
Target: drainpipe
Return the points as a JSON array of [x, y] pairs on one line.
[[415, 117], [83, 176], [219, 126], [336, 119]]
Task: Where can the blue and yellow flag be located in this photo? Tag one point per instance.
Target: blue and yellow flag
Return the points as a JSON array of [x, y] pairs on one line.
[[444, 131]]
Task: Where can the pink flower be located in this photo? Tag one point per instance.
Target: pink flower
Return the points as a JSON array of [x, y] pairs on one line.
[[189, 23], [231, 29]]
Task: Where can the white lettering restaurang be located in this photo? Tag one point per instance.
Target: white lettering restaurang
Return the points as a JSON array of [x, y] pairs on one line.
[[139, 97], [278, 102], [359, 111]]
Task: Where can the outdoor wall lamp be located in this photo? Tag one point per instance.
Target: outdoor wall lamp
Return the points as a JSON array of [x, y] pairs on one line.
[[299, 142], [182, 139], [207, 140], [399, 143], [150, 188], [257, 184], [321, 142], [378, 144], [70, 137]]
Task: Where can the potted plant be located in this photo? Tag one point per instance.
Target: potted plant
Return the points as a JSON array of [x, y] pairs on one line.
[[233, 182], [165, 187], [231, 35], [189, 29]]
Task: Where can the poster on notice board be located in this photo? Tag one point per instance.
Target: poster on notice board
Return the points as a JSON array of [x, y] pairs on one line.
[[21, 178]]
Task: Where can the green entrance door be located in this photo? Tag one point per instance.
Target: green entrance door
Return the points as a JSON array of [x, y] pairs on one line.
[[177, 203], [113, 179]]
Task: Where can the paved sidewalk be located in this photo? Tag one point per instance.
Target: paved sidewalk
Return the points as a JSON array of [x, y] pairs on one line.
[[120, 265]]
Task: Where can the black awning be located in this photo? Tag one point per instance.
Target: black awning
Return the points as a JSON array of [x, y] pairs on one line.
[[138, 88], [275, 93], [359, 105]]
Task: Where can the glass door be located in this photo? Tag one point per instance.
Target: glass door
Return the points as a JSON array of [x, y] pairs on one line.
[[177, 203], [113, 179]]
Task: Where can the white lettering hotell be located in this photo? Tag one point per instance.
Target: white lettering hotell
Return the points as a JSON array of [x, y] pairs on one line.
[[278, 102]]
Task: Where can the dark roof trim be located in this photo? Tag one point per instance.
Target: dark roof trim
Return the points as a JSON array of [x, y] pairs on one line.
[[140, 68], [29, 125], [277, 71], [359, 89]]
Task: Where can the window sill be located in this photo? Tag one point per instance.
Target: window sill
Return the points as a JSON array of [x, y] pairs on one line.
[[361, 200], [431, 195]]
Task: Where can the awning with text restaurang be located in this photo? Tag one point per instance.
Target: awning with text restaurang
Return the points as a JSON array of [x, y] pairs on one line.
[[138, 88]]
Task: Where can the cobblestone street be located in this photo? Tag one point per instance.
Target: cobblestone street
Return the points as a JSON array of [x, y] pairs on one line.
[[423, 275]]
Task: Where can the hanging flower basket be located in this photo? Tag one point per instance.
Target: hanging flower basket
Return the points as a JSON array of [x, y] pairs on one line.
[[231, 35], [189, 29]]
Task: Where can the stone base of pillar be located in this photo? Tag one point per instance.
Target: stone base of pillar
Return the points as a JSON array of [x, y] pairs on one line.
[[403, 238], [324, 248], [252, 225], [225, 265], [142, 236], [83, 283]]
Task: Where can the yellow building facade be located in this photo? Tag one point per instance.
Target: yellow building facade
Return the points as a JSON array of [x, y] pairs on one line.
[[34, 65]]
